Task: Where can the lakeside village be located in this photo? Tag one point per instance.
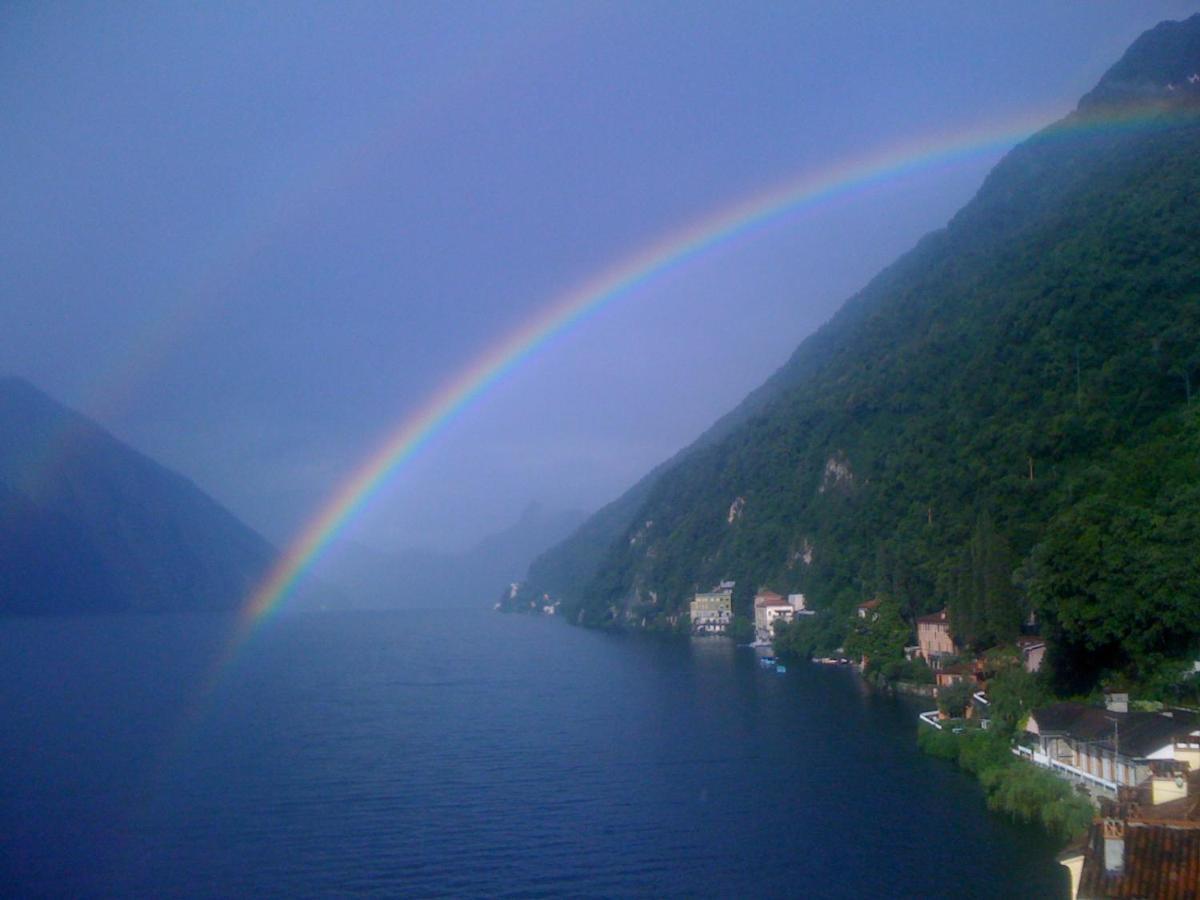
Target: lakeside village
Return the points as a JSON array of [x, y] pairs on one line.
[[1120, 782]]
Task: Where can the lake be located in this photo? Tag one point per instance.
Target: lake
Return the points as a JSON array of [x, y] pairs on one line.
[[467, 753]]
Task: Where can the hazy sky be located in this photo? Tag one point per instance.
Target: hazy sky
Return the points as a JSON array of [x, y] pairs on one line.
[[252, 239]]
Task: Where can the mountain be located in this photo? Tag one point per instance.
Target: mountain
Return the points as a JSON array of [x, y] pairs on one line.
[[1001, 421], [88, 524], [369, 578], [562, 570], [1162, 59]]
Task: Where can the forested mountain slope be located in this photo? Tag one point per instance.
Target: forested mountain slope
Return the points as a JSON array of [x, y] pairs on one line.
[[1000, 421], [564, 570]]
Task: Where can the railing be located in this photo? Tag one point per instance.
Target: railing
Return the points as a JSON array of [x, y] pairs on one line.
[[931, 718], [1046, 761]]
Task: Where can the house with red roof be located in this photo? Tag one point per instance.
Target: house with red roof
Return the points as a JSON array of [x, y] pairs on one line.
[[769, 608], [1146, 841], [868, 610]]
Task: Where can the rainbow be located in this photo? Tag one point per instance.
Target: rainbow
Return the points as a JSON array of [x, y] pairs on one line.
[[628, 276]]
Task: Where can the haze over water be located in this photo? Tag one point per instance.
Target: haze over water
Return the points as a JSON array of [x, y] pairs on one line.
[[471, 754]]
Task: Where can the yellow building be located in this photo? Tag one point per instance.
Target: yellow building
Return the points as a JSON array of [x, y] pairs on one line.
[[712, 612]]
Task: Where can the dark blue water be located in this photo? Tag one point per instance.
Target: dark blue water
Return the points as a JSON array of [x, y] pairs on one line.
[[464, 753]]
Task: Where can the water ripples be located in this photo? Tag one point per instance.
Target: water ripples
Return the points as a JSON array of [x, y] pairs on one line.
[[430, 755]]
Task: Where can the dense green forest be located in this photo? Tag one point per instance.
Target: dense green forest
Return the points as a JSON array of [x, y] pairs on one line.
[[1002, 422]]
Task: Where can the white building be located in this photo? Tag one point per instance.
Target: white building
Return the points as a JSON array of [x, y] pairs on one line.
[[799, 605], [1110, 748], [769, 608]]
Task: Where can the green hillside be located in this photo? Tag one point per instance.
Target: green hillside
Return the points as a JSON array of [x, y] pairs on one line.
[[1001, 421]]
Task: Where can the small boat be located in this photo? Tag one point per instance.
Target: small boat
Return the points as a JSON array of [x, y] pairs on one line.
[[780, 668]]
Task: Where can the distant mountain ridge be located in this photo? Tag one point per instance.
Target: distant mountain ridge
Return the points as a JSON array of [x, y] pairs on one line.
[[371, 578], [87, 524], [1016, 371]]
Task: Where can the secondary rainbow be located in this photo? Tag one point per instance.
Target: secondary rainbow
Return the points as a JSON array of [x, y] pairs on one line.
[[567, 311]]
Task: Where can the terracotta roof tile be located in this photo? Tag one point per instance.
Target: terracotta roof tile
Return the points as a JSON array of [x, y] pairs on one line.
[[769, 598], [937, 618], [1159, 861]]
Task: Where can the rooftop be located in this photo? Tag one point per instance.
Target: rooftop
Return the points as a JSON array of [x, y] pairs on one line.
[[961, 668], [1159, 861], [1137, 803], [769, 598], [1140, 733]]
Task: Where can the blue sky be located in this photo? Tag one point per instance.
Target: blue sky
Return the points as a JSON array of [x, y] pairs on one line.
[[250, 240]]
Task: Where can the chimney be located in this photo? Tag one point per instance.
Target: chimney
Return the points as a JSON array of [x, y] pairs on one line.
[[1114, 846], [1116, 700]]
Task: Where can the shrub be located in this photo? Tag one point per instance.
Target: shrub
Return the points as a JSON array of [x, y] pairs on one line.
[[741, 629], [1013, 692], [980, 751], [941, 744], [1014, 788], [914, 670], [953, 699]]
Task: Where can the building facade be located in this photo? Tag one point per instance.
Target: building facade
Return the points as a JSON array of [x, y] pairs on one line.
[[933, 638], [770, 608], [800, 605], [1033, 651], [1110, 749], [712, 611]]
